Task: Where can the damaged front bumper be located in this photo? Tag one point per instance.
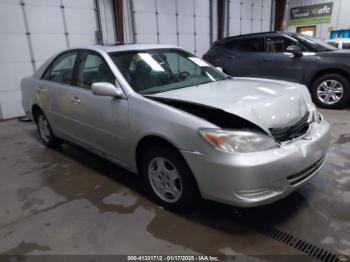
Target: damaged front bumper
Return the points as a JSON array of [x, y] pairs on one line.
[[254, 179]]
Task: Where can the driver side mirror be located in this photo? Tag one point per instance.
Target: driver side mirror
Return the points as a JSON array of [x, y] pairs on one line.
[[106, 89], [295, 50]]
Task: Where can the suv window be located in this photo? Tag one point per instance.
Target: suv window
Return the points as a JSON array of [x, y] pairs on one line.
[[61, 70], [251, 45], [91, 69], [278, 44]]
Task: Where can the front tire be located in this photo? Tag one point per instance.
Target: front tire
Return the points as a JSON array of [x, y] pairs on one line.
[[168, 179], [331, 91], [45, 132]]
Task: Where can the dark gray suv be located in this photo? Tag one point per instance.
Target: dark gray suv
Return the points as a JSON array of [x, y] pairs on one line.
[[291, 57]]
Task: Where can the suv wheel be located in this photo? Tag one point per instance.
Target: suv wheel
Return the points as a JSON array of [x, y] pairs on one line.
[[45, 132], [331, 91], [169, 179]]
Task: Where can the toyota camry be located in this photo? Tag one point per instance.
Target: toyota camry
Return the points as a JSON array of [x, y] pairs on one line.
[[187, 128]]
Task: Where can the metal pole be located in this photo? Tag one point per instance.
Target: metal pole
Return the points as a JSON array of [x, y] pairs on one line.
[[64, 23], [251, 18], [177, 24], [272, 16], [29, 39], [194, 27], [228, 3], [157, 20], [279, 14], [98, 21], [262, 15], [221, 19], [119, 20], [240, 17], [211, 22], [133, 26]]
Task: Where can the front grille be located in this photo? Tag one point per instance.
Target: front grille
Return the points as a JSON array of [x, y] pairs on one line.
[[301, 176], [291, 132]]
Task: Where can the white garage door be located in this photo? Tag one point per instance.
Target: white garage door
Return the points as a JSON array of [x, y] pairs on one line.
[[33, 30], [248, 16], [179, 22]]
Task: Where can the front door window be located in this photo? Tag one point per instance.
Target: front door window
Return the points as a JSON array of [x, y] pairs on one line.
[[91, 69]]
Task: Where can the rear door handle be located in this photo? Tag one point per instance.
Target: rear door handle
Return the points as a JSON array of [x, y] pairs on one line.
[[267, 59], [75, 100]]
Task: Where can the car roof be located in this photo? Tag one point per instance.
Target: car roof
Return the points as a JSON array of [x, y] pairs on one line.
[[126, 47], [269, 33], [254, 34]]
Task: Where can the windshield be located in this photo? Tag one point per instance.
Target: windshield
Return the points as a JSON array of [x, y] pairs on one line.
[[315, 44], [161, 70]]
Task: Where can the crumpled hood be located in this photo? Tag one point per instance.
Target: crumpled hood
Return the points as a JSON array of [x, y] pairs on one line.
[[266, 103]]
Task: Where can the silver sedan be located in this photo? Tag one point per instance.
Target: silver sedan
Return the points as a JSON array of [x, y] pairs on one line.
[[186, 127]]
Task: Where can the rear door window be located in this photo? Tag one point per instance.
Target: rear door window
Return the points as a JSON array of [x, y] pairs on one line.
[[61, 70], [251, 45]]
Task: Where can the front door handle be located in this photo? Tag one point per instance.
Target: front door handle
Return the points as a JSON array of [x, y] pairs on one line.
[[267, 59], [75, 100]]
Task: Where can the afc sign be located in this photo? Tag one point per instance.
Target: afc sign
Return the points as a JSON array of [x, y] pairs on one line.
[[326, 10]]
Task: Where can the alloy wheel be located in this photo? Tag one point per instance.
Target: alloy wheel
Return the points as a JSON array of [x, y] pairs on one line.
[[330, 92]]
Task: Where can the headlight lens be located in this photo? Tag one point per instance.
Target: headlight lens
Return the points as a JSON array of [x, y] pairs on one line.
[[232, 141]]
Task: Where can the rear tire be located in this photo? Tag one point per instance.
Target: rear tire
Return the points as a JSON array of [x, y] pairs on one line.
[[331, 91], [168, 179], [46, 135]]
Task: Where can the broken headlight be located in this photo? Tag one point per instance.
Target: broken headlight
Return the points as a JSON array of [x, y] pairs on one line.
[[316, 116], [232, 141]]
